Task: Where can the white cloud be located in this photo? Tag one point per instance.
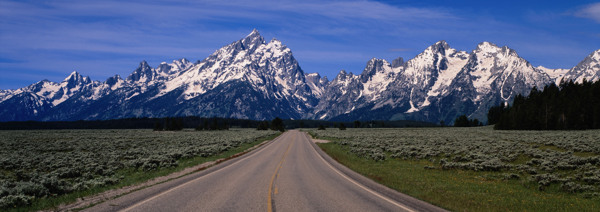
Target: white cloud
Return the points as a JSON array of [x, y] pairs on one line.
[[591, 11]]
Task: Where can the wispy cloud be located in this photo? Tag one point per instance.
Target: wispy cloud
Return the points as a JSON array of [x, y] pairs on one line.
[[56, 30], [399, 50], [591, 11], [99, 38]]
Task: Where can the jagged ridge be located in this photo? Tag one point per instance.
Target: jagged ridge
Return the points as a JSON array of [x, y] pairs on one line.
[[254, 79]]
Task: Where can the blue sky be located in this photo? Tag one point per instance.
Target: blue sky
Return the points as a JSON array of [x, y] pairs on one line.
[[50, 39]]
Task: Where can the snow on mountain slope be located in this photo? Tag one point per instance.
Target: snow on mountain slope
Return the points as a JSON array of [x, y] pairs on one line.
[[493, 75], [5, 94], [55, 93], [376, 77], [588, 68], [348, 92], [316, 83], [244, 69], [342, 95], [72, 85], [430, 73], [269, 67], [502, 67], [254, 79], [555, 74], [226, 64], [167, 71], [411, 84], [441, 83]]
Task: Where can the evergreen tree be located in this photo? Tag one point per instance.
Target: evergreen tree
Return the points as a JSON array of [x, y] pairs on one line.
[[461, 121], [569, 106], [342, 126], [357, 124], [158, 126], [277, 124], [214, 124], [495, 113], [263, 125]]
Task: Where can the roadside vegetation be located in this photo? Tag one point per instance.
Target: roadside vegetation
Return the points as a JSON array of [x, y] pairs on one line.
[[44, 168], [477, 169]]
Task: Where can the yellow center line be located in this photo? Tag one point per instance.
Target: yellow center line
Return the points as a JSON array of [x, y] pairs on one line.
[[270, 198], [202, 177]]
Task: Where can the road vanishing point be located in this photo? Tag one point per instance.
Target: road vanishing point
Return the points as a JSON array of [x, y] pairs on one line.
[[289, 173]]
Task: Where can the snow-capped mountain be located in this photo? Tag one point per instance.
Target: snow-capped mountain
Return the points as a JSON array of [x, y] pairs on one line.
[[556, 75], [588, 69], [249, 78], [32, 101], [440, 84], [255, 79]]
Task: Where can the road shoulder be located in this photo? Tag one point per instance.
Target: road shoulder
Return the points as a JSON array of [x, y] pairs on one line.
[[89, 201], [411, 202]]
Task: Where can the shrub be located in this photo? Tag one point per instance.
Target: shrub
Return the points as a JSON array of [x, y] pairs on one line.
[[12, 201]]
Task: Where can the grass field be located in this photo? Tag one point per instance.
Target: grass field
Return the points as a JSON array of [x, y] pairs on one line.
[[41, 169], [477, 169]]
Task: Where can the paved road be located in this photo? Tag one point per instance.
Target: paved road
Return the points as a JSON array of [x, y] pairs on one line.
[[288, 174]]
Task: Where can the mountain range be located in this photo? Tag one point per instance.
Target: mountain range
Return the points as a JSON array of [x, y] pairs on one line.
[[255, 79]]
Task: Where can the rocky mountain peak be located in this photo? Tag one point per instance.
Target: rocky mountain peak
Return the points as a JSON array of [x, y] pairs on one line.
[[314, 77], [588, 69], [373, 67], [397, 62], [487, 47], [276, 48], [183, 63], [439, 47], [113, 80], [143, 73], [256, 80], [252, 41], [75, 79], [596, 55]]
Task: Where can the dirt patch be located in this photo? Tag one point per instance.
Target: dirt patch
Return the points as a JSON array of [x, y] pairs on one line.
[[111, 194], [320, 141]]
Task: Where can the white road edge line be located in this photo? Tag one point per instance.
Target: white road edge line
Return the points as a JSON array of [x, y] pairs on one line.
[[358, 184], [179, 186]]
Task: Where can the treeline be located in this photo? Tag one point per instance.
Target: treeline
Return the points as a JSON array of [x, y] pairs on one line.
[[569, 106], [170, 123], [176, 124], [356, 124], [276, 124], [200, 123], [463, 121]]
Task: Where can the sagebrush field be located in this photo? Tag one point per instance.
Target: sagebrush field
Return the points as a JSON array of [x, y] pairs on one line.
[[47, 163], [488, 167]]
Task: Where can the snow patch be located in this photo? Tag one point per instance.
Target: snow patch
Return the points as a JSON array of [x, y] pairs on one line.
[[555, 74], [323, 116]]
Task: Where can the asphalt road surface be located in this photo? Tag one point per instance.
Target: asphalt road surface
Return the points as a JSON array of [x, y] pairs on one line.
[[289, 173]]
